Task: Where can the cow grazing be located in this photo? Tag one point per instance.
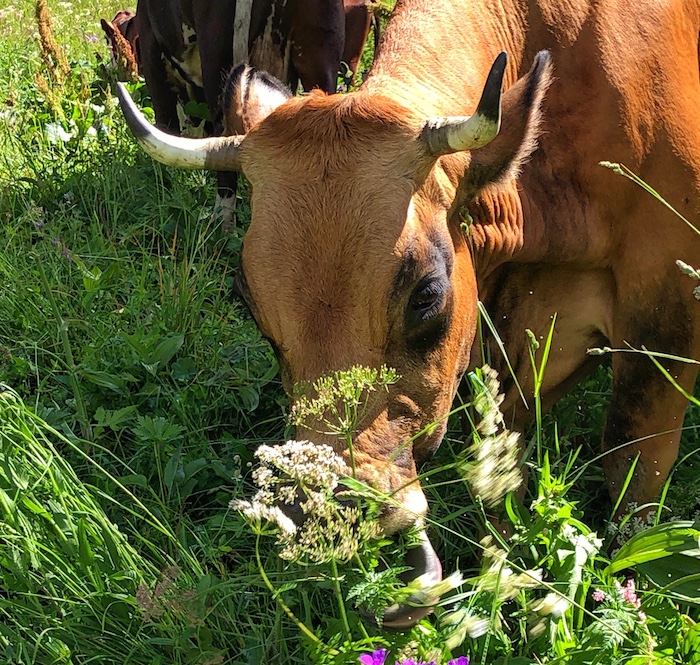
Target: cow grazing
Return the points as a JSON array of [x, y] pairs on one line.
[[356, 255], [185, 48]]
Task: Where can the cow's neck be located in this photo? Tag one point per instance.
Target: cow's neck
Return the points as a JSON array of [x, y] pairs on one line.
[[434, 58], [533, 220]]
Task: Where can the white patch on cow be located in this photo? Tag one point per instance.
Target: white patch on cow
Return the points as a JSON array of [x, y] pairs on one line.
[[414, 502], [188, 34], [225, 212], [190, 64], [265, 55]]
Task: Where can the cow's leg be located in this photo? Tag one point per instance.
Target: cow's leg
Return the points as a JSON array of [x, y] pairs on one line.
[[358, 23], [216, 52], [318, 39], [163, 97], [644, 424]]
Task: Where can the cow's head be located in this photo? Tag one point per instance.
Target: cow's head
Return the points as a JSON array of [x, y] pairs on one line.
[[355, 254]]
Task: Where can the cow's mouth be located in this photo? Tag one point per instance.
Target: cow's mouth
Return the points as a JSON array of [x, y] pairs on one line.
[[426, 571]]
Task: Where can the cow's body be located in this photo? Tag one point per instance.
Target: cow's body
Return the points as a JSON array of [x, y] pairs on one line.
[[356, 255]]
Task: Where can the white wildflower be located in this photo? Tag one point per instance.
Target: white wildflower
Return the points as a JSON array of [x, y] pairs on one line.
[[500, 579], [460, 623], [493, 471], [302, 473], [553, 604]]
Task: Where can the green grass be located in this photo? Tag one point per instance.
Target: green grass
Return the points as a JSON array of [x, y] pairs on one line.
[[140, 389]]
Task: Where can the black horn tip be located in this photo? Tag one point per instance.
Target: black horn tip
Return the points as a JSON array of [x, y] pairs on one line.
[[490, 102]]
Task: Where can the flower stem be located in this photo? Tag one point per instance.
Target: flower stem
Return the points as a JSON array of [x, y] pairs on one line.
[[339, 596], [300, 625]]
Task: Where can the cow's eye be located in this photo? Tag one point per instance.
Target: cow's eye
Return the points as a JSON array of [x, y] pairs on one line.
[[427, 299]]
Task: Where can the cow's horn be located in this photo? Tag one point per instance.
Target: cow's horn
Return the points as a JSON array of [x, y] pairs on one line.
[[426, 568], [218, 154], [453, 134]]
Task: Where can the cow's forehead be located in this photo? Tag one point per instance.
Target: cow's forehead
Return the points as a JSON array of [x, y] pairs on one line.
[[333, 224], [337, 138]]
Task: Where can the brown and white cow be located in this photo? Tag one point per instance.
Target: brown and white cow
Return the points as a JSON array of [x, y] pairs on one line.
[[355, 254], [185, 48]]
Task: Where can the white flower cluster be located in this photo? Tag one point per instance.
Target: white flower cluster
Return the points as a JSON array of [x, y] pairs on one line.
[[494, 471], [303, 472], [638, 521], [500, 579]]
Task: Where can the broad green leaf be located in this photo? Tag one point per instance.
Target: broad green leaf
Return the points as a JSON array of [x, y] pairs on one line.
[[105, 380], [657, 542], [164, 351], [134, 479]]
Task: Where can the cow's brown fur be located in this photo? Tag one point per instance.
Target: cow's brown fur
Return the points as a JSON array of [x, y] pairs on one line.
[[342, 192]]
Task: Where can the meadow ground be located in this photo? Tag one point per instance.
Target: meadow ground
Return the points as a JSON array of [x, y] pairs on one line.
[[134, 391]]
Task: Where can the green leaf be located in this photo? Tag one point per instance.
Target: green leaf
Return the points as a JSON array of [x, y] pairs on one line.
[[655, 543], [85, 553], [668, 555], [249, 396], [164, 351], [105, 380], [36, 508], [184, 369], [171, 468], [690, 647], [134, 479]]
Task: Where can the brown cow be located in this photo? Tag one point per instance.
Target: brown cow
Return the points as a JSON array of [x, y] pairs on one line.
[[185, 48], [355, 253]]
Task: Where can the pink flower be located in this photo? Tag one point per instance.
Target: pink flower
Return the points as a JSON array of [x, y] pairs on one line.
[[629, 594], [598, 596]]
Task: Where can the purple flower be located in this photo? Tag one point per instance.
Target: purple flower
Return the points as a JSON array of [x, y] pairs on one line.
[[379, 656], [91, 38], [375, 658]]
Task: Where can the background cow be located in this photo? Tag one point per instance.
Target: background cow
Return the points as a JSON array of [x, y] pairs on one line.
[[185, 48], [356, 253]]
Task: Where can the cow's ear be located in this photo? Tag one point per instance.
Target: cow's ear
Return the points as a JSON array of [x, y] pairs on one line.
[[249, 96], [109, 30], [503, 157]]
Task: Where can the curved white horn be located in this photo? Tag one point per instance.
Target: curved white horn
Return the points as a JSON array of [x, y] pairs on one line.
[[220, 153], [456, 133]]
